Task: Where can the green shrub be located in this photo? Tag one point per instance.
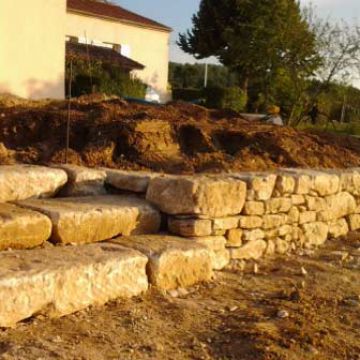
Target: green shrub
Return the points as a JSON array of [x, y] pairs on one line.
[[103, 78], [225, 98]]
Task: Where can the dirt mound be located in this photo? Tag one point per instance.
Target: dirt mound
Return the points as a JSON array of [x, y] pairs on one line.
[[177, 138]]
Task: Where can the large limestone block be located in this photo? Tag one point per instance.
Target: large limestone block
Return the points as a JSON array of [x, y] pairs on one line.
[[173, 262], [19, 182], [136, 181], [315, 233], [260, 185], [254, 208], [338, 206], [83, 181], [62, 280], [190, 227], [251, 250], [338, 228], [278, 205], [354, 222], [217, 246], [274, 220], [250, 222], [22, 228], [210, 196], [98, 218]]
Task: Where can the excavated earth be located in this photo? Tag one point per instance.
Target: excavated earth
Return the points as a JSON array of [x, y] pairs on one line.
[[176, 138]]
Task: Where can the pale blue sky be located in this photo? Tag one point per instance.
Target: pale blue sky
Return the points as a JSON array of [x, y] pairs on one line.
[[177, 14]]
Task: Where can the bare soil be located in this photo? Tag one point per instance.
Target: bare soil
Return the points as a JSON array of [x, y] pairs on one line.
[[177, 138], [235, 317]]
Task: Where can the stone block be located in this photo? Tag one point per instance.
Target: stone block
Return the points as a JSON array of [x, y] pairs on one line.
[[135, 181], [260, 185], [285, 184], [250, 222], [281, 246], [278, 205], [270, 249], [338, 206], [315, 203], [315, 233], [173, 262], [350, 181], [227, 223], [19, 182], [98, 218], [190, 227], [274, 221], [307, 217], [234, 237], [212, 196], [297, 199], [285, 230], [218, 253], [251, 250], [293, 215], [338, 228], [251, 235], [61, 280], [254, 208], [303, 182], [83, 181], [354, 222], [22, 228]]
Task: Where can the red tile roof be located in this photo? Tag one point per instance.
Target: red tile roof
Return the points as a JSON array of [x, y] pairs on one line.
[[107, 10], [93, 52]]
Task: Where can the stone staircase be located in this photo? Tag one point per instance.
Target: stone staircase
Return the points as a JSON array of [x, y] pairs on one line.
[[71, 237]]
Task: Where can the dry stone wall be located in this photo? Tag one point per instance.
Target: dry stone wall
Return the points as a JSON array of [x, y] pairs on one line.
[[214, 219], [260, 213]]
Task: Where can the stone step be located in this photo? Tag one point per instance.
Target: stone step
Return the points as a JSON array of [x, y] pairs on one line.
[[61, 280], [19, 182], [22, 228], [135, 181], [173, 262], [97, 218], [83, 181]]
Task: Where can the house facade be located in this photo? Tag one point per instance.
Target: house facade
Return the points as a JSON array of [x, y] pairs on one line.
[[33, 36]]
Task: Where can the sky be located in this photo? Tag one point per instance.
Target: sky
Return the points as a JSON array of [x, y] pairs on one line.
[[177, 14]]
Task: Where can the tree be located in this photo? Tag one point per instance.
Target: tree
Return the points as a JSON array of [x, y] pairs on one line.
[[338, 44], [253, 38]]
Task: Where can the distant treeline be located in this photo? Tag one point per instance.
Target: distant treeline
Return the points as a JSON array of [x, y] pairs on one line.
[[333, 100]]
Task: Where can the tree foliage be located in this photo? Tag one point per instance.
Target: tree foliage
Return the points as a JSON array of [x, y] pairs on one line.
[[253, 38]]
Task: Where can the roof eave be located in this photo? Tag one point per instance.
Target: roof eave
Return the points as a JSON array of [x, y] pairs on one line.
[[129, 22]]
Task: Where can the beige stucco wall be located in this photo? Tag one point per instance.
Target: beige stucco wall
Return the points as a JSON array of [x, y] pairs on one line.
[[148, 46], [32, 49]]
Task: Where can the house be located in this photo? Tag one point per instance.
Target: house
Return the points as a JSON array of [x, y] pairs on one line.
[[37, 35]]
